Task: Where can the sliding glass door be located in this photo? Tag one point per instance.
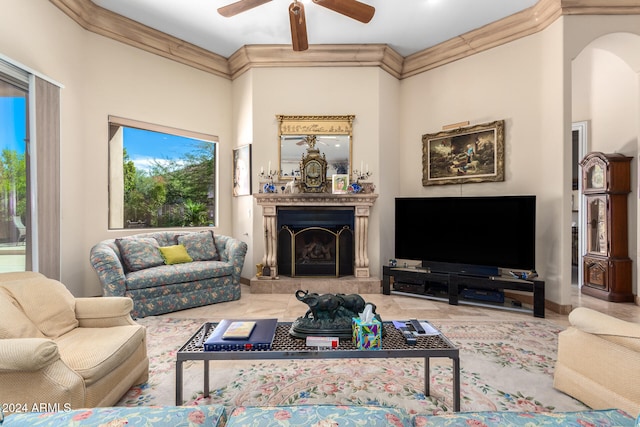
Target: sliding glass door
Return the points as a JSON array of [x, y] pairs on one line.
[[14, 203]]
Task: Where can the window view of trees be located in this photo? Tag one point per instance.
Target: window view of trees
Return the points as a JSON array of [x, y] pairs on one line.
[[13, 184], [167, 180], [13, 166]]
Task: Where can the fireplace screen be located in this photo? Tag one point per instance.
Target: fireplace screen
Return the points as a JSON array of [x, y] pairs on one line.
[[325, 249], [315, 251]]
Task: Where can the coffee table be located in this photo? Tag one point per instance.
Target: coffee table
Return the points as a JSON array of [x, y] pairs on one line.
[[285, 346]]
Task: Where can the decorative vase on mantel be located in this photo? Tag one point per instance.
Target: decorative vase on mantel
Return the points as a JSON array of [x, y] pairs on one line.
[[367, 187]]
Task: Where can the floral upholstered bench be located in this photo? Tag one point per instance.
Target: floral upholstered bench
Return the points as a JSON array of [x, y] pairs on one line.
[[308, 416], [166, 416]]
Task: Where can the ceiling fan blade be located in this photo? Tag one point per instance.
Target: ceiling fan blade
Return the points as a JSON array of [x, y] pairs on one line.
[[298, 27], [351, 8], [239, 7]]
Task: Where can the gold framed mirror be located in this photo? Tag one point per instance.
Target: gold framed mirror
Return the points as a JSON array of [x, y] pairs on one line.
[[334, 139]]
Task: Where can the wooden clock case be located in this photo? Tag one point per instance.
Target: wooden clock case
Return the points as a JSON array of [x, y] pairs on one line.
[[606, 265]]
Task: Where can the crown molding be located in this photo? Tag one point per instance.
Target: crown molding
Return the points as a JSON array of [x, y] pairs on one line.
[[101, 21], [359, 55], [600, 7], [516, 26], [529, 21]]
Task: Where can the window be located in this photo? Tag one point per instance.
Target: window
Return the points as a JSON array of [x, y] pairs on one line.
[[160, 177], [13, 174], [30, 171]]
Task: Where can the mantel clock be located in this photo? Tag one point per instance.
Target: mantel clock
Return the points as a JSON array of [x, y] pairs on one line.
[[606, 265], [313, 169]]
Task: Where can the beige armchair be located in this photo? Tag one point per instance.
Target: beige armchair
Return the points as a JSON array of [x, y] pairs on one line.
[[66, 352], [599, 361]]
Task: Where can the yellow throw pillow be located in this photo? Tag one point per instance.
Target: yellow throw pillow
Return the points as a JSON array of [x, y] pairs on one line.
[[176, 254]]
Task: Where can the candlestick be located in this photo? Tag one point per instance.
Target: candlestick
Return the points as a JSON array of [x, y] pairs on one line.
[[360, 175]]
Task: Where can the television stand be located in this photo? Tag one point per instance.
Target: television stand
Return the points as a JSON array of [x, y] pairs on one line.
[[457, 288]]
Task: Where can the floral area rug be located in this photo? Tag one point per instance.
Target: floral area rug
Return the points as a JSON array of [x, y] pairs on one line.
[[505, 366]]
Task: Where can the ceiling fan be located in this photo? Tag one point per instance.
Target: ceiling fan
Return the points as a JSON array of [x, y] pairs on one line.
[[351, 8]]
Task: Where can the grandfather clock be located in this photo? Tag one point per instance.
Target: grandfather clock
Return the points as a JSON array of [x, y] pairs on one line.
[[606, 264]]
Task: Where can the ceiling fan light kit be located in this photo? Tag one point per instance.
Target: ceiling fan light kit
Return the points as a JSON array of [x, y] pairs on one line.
[[351, 8]]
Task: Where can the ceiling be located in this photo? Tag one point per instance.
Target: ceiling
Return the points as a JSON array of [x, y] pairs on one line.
[[407, 26]]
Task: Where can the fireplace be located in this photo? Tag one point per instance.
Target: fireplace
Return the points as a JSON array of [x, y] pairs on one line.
[[315, 241], [333, 226]]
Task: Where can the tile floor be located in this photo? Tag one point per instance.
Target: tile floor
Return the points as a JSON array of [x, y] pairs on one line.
[[286, 307]]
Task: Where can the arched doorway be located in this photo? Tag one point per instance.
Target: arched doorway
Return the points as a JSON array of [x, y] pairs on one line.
[[606, 96]]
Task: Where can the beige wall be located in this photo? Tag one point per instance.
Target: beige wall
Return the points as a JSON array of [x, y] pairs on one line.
[[370, 94], [312, 91], [515, 83], [553, 174], [591, 41], [103, 77], [606, 94], [242, 206], [527, 83], [389, 179]]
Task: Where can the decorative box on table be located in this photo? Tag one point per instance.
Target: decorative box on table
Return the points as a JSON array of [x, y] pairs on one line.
[[367, 335]]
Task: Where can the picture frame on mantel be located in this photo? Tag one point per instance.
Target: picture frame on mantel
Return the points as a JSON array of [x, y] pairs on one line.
[[464, 155], [242, 170], [340, 183]]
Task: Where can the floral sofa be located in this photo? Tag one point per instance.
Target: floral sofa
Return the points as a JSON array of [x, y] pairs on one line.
[[308, 416], [170, 270]]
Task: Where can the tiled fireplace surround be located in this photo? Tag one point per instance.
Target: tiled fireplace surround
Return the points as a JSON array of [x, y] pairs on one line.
[[361, 282]]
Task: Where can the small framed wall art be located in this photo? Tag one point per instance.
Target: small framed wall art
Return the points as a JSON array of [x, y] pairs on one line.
[[242, 170], [462, 155]]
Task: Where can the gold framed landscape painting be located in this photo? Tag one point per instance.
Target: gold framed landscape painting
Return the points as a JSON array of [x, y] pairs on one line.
[[464, 155]]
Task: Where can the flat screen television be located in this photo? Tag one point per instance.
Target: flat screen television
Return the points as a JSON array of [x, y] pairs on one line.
[[474, 235]]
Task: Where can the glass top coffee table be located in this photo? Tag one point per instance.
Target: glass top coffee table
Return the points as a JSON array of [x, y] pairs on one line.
[[285, 346]]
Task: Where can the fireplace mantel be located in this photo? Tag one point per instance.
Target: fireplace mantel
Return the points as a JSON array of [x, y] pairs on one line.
[[315, 199], [361, 203]]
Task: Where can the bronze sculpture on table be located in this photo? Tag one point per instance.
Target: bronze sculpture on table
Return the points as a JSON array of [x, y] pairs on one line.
[[328, 314]]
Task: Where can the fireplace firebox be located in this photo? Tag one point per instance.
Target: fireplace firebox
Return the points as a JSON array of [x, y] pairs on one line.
[[315, 241]]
